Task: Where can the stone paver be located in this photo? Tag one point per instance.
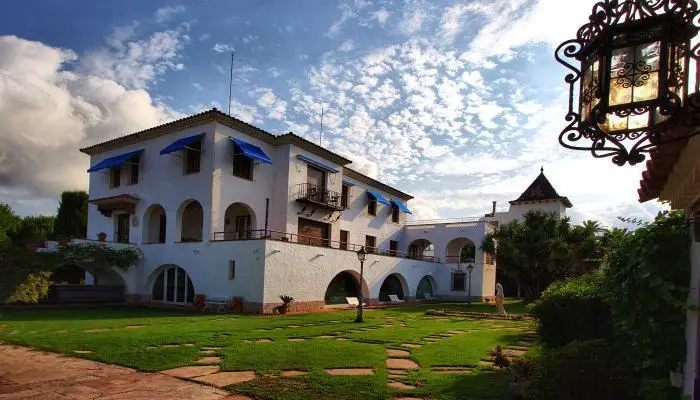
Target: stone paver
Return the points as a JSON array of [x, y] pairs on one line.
[[28, 374], [397, 372], [263, 341], [411, 345], [135, 326], [400, 386], [293, 374], [82, 351], [96, 330], [191, 372], [401, 363], [397, 353], [208, 352], [350, 371], [221, 379], [325, 337], [296, 339], [209, 360]]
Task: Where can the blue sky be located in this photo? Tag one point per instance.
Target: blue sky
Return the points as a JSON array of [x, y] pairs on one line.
[[456, 102]]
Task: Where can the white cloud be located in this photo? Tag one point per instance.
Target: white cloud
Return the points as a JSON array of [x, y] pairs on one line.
[[67, 110], [412, 23], [134, 63], [197, 86], [347, 45], [276, 108], [165, 14], [222, 48], [204, 36], [275, 72], [381, 16], [451, 22]]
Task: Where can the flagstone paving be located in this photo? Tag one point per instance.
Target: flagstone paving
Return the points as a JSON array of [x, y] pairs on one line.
[[350, 371], [28, 374], [222, 379]]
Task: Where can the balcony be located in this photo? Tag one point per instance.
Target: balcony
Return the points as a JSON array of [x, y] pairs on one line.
[[317, 196], [318, 242]]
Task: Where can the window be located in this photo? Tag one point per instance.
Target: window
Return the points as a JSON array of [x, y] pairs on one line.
[[193, 157], [315, 178], [123, 228], [134, 170], [243, 226], [459, 280], [370, 243], [232, 270], [345, 195], [395, 213], [242, 165], [372, 207], [344, 239], [393, 247], [115, 177]]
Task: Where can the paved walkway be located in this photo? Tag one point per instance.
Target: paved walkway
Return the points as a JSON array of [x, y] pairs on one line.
[[27, 374]]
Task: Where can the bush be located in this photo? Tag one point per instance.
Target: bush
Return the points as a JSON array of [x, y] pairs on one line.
[[574, 309], [34, 288], [580, 371]]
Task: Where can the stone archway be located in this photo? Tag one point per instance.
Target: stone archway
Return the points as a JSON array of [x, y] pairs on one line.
[[171, 284], [190, 221], [343, 285], [426, 286], [421, 248], [460, 250], [154, 224], [393, 284], [239, 222]]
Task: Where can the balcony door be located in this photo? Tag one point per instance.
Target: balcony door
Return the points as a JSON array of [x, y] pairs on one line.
[[313, 232], [123, 228], [316, 178]]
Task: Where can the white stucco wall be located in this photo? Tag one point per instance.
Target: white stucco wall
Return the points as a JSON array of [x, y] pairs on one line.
[[161, 181], [690, 368], [516, 211]]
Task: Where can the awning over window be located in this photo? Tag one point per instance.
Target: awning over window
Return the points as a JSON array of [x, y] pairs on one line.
[[181, 144], [114, 162], [251, 150], [378, 197], [401, 206], [317, 164], [348, 183]]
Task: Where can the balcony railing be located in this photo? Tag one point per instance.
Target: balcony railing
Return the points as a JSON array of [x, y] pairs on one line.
[[319, 242], [458, 260], [318, 196]]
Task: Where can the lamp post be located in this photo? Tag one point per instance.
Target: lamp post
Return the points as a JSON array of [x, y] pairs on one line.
[[470, 268], [630, 68], [361, 255]]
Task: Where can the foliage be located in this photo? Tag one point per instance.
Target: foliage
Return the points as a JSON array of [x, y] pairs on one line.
[[286, 299], [521, 369], [199, 300], [574, 309], [647, 281], [499, 359], [542, 248], [9, 222], [580, 371], [71, 219], [100, 254], [33, 229], [34, 288]]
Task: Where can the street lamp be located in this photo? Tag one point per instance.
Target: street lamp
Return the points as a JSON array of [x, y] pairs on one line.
[[362, 256], [631, 65], [470, 268]]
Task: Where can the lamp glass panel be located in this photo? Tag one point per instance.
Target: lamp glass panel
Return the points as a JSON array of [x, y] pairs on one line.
[[638, 121]]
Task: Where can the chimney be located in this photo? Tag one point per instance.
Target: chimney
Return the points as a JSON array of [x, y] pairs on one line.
[[493, 210]]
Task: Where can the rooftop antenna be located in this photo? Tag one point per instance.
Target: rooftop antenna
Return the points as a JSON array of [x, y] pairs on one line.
[[320, 134], [230, 84]]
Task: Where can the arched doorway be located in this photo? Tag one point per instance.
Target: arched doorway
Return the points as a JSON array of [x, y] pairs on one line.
[[421, 248], [172, 285], [239, 222], [393, 284], [459, 251], [154, 224], [345, 284], [86, 282], [426, 286], [68, 274], [191, 221]]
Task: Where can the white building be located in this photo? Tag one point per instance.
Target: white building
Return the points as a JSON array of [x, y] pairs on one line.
[[224, 209]]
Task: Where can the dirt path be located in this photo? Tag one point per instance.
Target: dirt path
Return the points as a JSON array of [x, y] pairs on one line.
[[28, 374]]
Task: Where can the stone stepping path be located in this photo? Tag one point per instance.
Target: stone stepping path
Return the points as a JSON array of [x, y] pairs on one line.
[[325, 337], [191, 372], [397, 353], [222, 379], [209, 360], [263, 340], [401, 363], [400, 386], [95, 330], [293, 373], [134, 326], [296, 339], [411, 345], [82, 351], [452, 370], [350, 371]]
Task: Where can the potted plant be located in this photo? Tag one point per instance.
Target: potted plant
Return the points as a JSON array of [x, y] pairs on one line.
[[101, 236], [286, 301]]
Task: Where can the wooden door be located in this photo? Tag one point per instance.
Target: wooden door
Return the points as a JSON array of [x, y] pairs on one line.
[[316, 179], [370, 244], [313, 232], [123, 228], [344, 239]]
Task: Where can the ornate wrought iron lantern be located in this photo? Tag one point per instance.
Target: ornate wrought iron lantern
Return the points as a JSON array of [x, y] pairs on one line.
[[633, 80]]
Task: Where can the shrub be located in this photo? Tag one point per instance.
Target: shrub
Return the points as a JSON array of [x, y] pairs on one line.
[[34, 288], [580, 371], [499, 359], [574, 309]]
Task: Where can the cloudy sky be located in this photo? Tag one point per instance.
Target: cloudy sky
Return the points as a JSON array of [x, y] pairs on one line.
[[456, 102]]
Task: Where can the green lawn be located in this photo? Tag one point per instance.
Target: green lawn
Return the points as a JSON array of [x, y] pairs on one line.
[[173, 338]]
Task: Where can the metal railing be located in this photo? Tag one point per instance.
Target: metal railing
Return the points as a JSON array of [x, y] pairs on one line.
[[314, 194], [458, 260], [315, 241], [445, 221]]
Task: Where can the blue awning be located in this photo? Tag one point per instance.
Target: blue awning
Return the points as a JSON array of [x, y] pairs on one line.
[[317, 164], [401, 206], [251, 150], [378, 197], [181, 144], [114, 162], [348, 183]]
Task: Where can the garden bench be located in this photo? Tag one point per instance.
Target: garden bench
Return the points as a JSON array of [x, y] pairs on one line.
[[220, 303], [428, 296], [353, 301]]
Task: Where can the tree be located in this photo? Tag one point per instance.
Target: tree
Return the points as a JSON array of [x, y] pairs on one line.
[[33, 229], [71, 220], [9, 222], [542, 248]]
